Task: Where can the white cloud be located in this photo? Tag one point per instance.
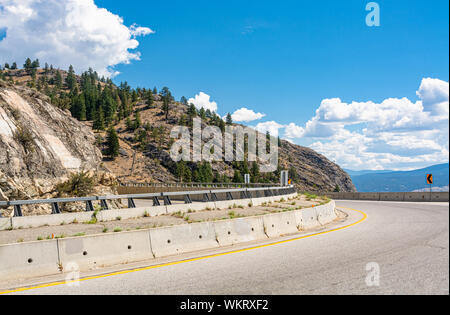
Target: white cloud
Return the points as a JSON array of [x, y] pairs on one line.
[[64, 32], [246, 115], [393, 134], [434, 95], [292, 131], [203, 100], [271, 126]]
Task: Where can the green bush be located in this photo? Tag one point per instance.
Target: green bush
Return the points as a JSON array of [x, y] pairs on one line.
[[79, 185], [25, 138]]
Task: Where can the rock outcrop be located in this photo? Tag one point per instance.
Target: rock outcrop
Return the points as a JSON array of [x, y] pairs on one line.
[[40, 145]]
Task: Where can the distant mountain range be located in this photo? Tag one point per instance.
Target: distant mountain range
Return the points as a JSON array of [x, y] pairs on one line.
[[406, 181]]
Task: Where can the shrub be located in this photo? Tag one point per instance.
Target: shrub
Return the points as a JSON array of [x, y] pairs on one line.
[[25, 138], [79, 184]]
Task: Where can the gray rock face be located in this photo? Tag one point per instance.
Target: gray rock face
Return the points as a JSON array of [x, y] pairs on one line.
[[40, 144], [313, 170]]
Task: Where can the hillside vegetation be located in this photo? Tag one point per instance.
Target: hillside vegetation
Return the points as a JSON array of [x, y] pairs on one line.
[[131, 128]]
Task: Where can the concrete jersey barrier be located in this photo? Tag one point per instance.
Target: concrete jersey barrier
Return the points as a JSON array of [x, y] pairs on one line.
[[185, 238], [27, 260], [394, 196], [279, 224], [242, 230], [105, 250], [5, 224]]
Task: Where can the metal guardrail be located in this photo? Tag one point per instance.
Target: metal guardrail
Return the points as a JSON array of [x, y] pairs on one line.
[[208, 195], [199, 185]]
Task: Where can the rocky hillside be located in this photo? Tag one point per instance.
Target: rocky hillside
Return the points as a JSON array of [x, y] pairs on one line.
[[61, 144], [41, 145]]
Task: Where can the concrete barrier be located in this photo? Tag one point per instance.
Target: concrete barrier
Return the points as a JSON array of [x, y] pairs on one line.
[[368, 196], [232, 203], [392, 196], [420, 197], [326, 213], [259, 201], [27, 260], [195, 206], [98, 251], [132, 213], [241, 230], [180, 239], [50, 220], [278, 224], [440, 197], [5, 224], [306, 219]]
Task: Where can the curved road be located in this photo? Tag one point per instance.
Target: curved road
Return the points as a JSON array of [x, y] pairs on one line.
[[407, 242]]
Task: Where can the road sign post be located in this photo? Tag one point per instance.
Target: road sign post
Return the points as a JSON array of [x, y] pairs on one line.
[[430, 181]]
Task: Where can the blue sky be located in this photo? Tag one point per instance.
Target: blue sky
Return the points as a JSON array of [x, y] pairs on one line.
[[295, 54], [283, 60]]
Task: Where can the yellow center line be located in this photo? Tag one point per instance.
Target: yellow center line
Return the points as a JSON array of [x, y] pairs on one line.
[[189, 260]]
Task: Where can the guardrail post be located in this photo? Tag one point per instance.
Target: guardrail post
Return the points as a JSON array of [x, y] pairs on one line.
[[156, 202], [229, 196], [187, 199], [214, 196], [55, 208], [104, 204], [167, 201], [18, 211], [249, 194], [131, 203], [243, 195], [206, 198], [89, 206]]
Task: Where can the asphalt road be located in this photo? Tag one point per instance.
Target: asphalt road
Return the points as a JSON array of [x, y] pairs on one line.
[[404, 246]]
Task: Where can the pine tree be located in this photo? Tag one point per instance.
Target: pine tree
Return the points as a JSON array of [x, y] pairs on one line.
[[229, 119], [149, 99], [70, 79], [255, 172], [99, 119], [222, 125], [112, 142], [35, 64], [137, 121], [238, 177], [27, 64], [166, 107], [129, 124], [58, 80], [202, 113]]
